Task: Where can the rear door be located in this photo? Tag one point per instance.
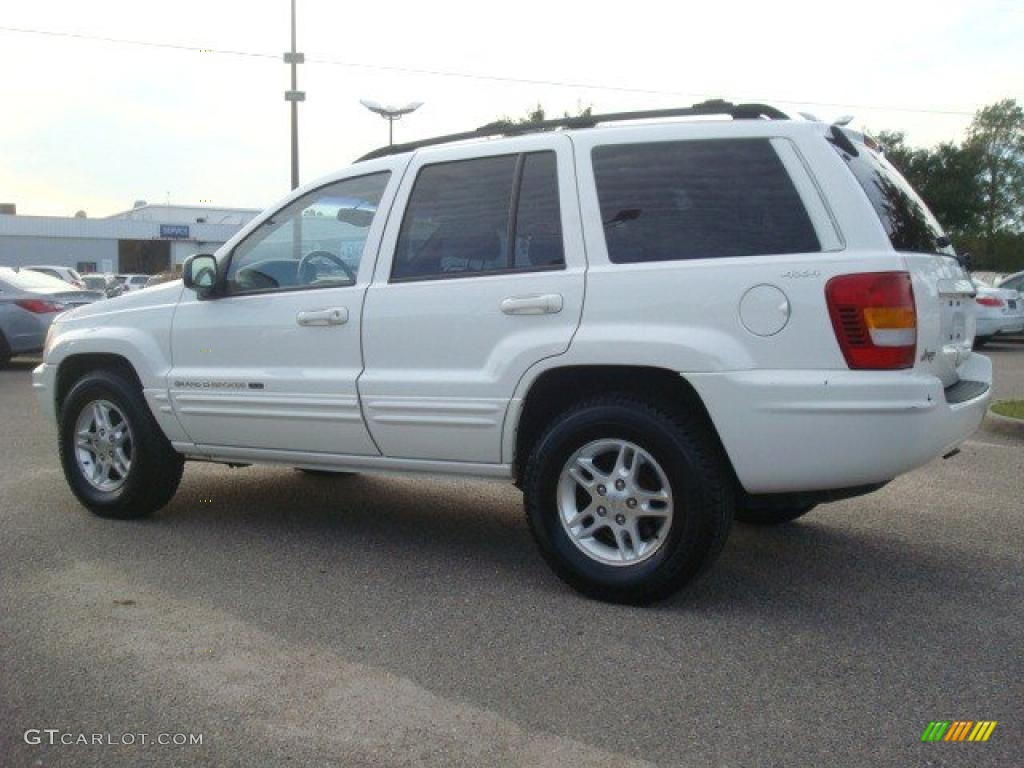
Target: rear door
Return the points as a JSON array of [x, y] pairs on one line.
[[943, 291], [481, 275]]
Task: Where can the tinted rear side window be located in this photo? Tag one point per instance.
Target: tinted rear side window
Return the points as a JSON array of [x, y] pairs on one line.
[[669, 201], [907, 220], [457, 219], [539, 220], [462, 215]]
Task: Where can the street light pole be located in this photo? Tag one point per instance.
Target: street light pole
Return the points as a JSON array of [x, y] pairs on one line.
[[391, 114], [295, 96]]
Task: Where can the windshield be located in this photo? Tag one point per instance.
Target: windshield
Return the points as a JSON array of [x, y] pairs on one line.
[[28, 280], [907, 220]]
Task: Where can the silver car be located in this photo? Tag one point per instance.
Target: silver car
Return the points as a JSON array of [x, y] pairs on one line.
[[28, 303]]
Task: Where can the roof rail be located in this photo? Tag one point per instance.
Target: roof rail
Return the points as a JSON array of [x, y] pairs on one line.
[[507, 128]]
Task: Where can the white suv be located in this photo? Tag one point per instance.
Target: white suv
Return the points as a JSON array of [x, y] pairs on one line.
[[651, 325]]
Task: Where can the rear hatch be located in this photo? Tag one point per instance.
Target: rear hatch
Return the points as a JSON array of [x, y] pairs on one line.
[[943, 292]]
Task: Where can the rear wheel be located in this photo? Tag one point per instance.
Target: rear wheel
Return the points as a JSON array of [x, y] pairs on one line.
[[981, 341], [115, 457], [627, 501], [5, 351]]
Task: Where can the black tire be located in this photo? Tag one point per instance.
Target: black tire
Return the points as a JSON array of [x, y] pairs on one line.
[[771, 515], [156, 468], [981, 341], [697, 472], [325, 472], [5, 351]]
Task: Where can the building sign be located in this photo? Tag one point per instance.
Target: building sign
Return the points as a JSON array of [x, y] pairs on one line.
[[177, 231]]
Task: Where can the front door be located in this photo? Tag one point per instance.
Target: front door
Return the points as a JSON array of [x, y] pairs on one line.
[[272, 361], [480, 277]]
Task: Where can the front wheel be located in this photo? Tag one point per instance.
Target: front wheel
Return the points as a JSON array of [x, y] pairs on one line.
[[627, 501], [115, 457], [981, 341]]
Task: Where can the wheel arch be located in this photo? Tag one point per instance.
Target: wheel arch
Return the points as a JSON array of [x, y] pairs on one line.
[[555, 389], [73, 367]]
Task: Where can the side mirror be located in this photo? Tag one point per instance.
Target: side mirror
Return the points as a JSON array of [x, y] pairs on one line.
[[200, 274]]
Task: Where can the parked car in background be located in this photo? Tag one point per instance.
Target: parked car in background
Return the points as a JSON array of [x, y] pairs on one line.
[[106, 283], [1000, 311], [29, 300], [1013, 282], [985, 276], [650, 328], [163, 277], [67, 274], [133, 282]]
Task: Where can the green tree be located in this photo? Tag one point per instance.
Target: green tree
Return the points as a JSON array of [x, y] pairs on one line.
[[997, 134], [905, 158], [947, 177], [538, 114]]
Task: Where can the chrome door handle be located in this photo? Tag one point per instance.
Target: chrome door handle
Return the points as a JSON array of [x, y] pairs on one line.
[[331, 316], [540, 304]]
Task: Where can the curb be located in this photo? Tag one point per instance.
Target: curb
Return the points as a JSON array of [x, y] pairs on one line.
[[1003, 425]]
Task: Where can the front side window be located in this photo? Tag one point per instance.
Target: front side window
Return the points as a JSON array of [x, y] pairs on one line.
[[703, 199], [462, 215], [314, 242]]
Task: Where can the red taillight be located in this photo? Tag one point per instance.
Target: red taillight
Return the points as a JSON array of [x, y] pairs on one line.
[[39, 306], [989, 301], [874, 318]]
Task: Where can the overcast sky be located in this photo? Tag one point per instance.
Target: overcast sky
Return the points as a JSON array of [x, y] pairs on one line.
[[96, 125]]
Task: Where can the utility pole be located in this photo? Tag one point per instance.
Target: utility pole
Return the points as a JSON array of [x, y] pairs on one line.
[[295, 96]]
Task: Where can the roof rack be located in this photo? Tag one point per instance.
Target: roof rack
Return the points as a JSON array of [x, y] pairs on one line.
[[507, 128]]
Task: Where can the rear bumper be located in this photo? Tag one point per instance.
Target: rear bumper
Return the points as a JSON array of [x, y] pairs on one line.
[[44, 384], [793, 431]]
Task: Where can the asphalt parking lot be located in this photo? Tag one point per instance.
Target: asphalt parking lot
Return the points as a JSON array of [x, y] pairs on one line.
[[296, 620]]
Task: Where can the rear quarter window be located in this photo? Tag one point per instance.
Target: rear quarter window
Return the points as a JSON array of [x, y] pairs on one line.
[[906, 219], [670, 201]]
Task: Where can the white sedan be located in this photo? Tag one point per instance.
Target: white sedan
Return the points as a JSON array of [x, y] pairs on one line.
[[999, 311]]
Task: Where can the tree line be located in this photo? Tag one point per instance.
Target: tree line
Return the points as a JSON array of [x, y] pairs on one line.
[[975, 187]]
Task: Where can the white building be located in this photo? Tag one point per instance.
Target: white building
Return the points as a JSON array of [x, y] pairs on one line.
[[146, 239]]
